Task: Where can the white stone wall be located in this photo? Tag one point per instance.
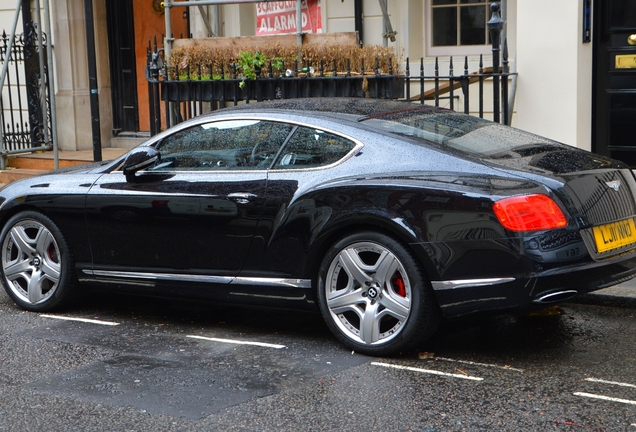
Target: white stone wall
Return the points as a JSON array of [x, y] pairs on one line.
[[554, 96]]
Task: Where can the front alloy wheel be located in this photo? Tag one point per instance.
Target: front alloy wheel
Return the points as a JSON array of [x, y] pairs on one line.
[[35, 264], [373, 295]]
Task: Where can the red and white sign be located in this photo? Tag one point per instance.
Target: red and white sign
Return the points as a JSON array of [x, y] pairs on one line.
[[279, 17]]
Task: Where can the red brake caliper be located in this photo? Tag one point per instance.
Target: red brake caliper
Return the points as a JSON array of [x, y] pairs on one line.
[[52, 253], [398, 284]]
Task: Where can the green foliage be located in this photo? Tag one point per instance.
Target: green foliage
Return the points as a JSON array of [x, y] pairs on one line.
[[277, 63], [247, 63]]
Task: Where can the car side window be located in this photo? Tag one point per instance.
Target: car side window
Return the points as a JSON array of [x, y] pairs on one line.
[[223, 145], [309, 148]]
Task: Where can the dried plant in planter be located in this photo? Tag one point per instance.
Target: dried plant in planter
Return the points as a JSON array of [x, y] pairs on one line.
[[209, 62]]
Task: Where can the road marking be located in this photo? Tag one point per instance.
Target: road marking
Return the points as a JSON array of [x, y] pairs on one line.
[[428, 371], [607, 398], [238, 342], [477, 364], [86, 320], [610, 382]]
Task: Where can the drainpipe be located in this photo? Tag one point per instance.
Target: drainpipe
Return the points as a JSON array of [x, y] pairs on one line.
[[49, 62], [92, 80]]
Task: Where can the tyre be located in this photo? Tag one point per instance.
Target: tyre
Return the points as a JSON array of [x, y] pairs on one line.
[[374, 297], [37, 266]]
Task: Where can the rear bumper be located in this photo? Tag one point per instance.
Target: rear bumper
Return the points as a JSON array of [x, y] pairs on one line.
[[533, 291]]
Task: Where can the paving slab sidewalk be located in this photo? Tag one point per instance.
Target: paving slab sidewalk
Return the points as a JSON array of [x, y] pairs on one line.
[[621, 295]]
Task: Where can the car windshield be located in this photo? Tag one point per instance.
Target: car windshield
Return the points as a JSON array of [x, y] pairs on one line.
[[464, 133]]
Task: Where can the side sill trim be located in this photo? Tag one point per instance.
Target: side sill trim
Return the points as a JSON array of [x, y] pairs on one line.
[[292, 283], [161, 276], [468, 283], [259, 281]]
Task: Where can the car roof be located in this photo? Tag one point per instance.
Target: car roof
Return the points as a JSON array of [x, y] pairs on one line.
[[354, 108]]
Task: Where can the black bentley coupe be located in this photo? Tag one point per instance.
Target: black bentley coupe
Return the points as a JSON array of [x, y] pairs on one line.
[[384, 215]]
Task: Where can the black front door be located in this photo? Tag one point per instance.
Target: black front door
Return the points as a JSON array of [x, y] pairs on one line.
[[121, 50], [614, 102]]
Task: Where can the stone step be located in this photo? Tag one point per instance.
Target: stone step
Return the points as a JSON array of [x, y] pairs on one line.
[[31, 164], [12, 174], [42, 164]]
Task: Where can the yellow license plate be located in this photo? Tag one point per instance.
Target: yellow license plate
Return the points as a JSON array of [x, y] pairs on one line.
[[614, 235]]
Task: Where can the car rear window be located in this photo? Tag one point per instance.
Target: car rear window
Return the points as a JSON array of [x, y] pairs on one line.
[[466, 134]]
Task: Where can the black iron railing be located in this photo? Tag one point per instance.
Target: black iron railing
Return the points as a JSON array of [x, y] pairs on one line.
[[23, 119], [184, 93]]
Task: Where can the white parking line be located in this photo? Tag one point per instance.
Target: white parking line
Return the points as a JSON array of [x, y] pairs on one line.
[[86, 320], [427, 371], [238, 342], [610, 382], [607, 398], [477, 364]]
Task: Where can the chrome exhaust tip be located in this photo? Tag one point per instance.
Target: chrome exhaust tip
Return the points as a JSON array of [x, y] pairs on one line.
[[555, 297]]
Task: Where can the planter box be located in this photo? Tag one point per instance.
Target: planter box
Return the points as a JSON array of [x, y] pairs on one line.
[[376, 86]]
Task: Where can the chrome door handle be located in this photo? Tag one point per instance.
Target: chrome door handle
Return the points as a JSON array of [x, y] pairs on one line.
[[241, 197]]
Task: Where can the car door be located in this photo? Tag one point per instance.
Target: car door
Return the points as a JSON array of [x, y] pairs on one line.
[[193, 213], [294, 215]]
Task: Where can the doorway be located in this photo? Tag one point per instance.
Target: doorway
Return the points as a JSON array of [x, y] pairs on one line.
[[123, 76], [614, 80], [133, 27]]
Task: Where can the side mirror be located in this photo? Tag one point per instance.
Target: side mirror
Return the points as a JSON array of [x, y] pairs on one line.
[[138, 159]]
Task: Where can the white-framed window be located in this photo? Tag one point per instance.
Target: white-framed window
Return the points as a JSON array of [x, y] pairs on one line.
[[457, 27]]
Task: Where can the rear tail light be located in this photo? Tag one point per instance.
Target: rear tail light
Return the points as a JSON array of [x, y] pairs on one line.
[[529, 213]]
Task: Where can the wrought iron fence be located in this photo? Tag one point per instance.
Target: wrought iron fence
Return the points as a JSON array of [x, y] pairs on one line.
[[185, 93], [23, 115]]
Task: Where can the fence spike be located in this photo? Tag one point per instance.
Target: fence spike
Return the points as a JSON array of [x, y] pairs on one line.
[[422, 80], [436, 81]]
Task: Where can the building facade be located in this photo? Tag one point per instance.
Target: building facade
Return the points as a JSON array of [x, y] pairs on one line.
[[576, 67]]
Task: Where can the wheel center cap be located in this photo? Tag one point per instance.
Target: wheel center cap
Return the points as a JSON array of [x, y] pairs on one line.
[[37, 261], [373, 293]]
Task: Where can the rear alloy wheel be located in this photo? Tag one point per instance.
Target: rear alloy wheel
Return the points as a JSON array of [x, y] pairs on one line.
[[374, 297], [36, 263]]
